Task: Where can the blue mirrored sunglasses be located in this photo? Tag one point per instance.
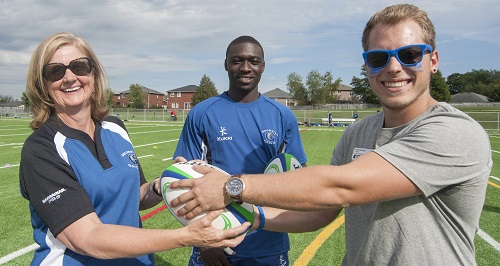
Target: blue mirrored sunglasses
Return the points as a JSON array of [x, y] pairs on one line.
[[409, 55]]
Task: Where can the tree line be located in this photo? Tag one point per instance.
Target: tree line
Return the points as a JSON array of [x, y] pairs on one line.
[[321, 89]]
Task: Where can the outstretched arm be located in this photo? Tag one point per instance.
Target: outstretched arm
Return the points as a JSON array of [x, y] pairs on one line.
[[279, 220], [370, 178], [88, 236]]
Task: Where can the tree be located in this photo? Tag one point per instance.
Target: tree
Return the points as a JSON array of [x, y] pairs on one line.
[[438, 88], [315, 88], [6, 99], [25, 100], [204, 91], [361, 87], [109, 99], [331, 87], [297, 89], [484, 82], [455, 83], [137, 96]]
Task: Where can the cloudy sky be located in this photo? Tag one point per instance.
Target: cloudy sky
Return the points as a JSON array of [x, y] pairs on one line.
[[167, 44]]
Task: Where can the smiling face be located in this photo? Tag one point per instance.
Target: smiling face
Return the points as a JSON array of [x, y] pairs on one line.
[[71, 94], [400, 87], [244, 65]]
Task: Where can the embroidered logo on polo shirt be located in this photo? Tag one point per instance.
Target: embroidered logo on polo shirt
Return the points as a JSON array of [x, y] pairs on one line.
[[270, 136], [54, 196], [132, 157]]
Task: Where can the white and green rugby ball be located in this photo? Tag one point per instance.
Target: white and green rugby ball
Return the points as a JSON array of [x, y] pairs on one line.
[[233, 215], [282, 162]]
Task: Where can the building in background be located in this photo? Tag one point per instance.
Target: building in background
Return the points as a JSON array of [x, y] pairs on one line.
[[281, 96], [345, 93], [180, 98], [154, 99], [468, 97]]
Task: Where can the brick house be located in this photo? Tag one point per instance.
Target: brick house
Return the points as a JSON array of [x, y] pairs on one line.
[[281, 96], [180, 98], [153, 98], [345, 93]]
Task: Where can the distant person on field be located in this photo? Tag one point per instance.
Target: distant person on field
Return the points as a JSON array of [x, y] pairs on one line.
[[329, 119], [173, 115], [81, 175], [240, 131], [412, 178]]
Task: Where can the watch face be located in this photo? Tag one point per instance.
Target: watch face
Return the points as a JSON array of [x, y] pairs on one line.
[[234, 186]]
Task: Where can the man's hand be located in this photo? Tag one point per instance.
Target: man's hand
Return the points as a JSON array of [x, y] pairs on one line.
[[179, 159], [206, 193]]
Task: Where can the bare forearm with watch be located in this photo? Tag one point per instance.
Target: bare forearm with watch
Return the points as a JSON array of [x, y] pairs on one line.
[[214, 191], [266, 218]]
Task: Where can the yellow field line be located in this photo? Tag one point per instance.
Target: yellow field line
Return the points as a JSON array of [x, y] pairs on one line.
[[493, 184], [311, 250]]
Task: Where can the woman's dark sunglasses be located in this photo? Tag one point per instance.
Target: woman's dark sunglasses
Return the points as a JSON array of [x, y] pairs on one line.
[[56, 71], [409, 55]]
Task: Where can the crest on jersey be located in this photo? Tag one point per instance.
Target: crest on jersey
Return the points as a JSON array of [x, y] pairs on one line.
[[270, 136]]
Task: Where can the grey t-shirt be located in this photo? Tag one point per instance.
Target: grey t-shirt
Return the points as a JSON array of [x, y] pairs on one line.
[[447, 155]]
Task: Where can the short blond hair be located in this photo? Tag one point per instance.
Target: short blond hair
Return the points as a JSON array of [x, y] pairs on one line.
[[395, 14], [37, 90]]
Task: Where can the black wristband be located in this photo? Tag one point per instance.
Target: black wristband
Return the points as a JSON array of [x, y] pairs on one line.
[[152, 187]]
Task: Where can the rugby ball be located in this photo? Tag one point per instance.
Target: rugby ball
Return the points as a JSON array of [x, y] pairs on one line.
[[232, 216], [282, 162]]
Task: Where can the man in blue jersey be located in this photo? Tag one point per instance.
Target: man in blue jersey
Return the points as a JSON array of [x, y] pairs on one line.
[[240, 131]]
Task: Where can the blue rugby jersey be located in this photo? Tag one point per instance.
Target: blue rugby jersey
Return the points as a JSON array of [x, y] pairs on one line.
[[65, 176], [242, 138]]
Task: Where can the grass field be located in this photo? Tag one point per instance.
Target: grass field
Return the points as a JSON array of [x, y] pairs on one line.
[[154, 144]]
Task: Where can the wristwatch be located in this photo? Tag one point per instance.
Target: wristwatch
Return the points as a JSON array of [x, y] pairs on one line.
[[234, 187]]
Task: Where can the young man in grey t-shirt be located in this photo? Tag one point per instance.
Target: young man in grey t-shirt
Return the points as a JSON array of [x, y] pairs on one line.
[[412, 179]]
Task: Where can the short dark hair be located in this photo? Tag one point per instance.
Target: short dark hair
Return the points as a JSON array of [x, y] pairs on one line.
[[244, 39]]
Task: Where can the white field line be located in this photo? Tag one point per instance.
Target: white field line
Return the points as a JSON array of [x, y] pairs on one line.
[[495, 151], [167, 159], [21, 134], [149, 144], [10, 144], [12, 165], [489, 239], [144, 156], [18, 253], [156, 131], [496, 178], [12, 129]]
